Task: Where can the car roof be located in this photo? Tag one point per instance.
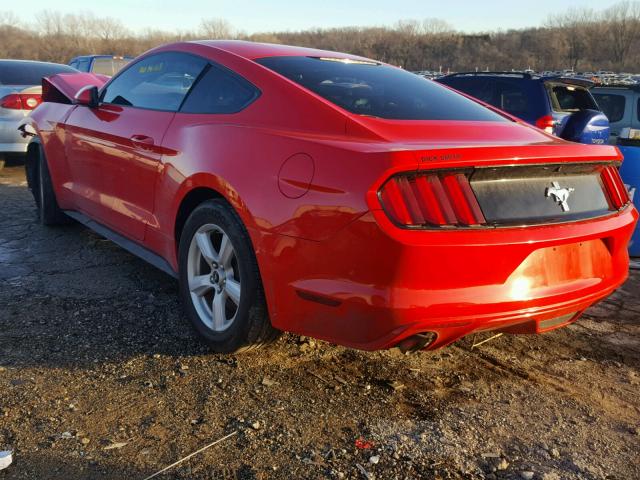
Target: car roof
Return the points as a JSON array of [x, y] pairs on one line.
[[10, 60], [633, 88], [101, 56], [578, 81], [255, 50]]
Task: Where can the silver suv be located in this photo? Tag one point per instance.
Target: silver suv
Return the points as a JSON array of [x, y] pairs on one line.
[[621, 105]]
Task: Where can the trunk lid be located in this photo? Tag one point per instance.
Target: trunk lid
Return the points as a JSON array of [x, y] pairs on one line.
[[480, 175], [62, 88]]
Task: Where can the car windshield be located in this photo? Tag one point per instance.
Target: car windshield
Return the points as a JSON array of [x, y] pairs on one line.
[[29, 73], [373, 89]]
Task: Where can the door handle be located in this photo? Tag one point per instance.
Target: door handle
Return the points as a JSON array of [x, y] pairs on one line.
[[142, 140]]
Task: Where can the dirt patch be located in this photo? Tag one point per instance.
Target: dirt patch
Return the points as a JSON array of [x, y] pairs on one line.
[[100, 377]]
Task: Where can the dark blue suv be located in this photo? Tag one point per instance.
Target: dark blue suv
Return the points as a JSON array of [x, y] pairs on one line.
[[562, 106], [104, 64]]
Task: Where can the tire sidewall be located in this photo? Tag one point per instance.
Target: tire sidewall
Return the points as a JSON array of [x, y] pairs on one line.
[[43, 184], [218, 213]]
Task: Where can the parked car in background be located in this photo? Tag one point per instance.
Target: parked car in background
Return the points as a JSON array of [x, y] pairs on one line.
[[621, 104], [562, 106], [20, 93], [103, 64], [628, 142], [330, 195]]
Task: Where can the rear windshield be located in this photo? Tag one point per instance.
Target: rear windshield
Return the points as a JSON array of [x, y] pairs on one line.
[[569, 98], [29, 73], [612, 105], [369, 88], [108, 66]]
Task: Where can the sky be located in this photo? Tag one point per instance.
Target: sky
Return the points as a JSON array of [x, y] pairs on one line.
[[277, 15]]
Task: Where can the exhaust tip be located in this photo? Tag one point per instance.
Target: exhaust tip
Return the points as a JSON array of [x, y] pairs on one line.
[[416, 342]]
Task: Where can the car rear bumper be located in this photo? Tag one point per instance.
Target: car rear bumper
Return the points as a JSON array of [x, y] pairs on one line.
[[10, 139], [374, 285]]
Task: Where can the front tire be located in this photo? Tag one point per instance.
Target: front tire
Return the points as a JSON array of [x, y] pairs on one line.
[[220, 283], [48, 209]]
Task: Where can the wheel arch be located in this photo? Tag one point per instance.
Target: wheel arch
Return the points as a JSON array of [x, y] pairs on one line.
[[196, 196], [188, 204]]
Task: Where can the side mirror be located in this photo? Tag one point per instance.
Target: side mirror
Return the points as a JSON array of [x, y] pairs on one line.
[[87, 96]]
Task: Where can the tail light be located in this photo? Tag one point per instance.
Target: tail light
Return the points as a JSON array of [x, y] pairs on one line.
[[546, 123], [431, 199], [21, 101], [618, 195]]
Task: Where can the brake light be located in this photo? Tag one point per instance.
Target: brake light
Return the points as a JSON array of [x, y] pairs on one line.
[[546, 123], [431, 199], [618, 194], [21, 101]]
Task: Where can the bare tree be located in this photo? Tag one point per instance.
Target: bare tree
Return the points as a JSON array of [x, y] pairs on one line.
[[573, 26], [623, 28], [436, 26], [575, 38], [9, 19], [216, 28]]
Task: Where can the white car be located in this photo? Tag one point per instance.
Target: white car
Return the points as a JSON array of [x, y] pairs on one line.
[[20, 93]]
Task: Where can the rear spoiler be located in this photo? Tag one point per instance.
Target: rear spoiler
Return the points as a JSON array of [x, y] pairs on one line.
[[579, 82], [62, 88]]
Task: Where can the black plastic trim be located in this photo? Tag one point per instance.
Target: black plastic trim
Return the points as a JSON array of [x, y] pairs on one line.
[[129, 245]]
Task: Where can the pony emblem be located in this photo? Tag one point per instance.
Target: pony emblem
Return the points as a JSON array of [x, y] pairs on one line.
[[560, 195]]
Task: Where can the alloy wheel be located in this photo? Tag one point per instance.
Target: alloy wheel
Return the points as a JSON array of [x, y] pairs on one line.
[[214, 277]]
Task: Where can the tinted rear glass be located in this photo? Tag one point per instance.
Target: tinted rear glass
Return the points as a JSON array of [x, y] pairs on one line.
[[219, 91], [612, 105], [29, 73], [567, 98], [368, 88]]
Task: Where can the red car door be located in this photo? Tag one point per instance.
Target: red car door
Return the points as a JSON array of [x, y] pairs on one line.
[[113, 155], [114, 150]]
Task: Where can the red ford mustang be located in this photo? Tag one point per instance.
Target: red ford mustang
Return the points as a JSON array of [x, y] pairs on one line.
[[330, 195]]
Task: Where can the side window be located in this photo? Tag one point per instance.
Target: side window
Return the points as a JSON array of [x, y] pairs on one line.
[[73, 64], [612, 105], [103, 66], [220, 91], [638, 109], [158, 82], [478, 88], [83, 65], [511, 98]]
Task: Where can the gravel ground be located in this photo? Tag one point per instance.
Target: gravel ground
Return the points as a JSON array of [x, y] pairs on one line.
[[100, 377]]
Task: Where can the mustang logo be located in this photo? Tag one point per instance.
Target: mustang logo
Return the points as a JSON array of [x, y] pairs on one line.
[[560, 195]]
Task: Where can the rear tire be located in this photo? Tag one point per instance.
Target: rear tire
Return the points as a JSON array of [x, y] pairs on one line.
[[48, 209], [220, 284]]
